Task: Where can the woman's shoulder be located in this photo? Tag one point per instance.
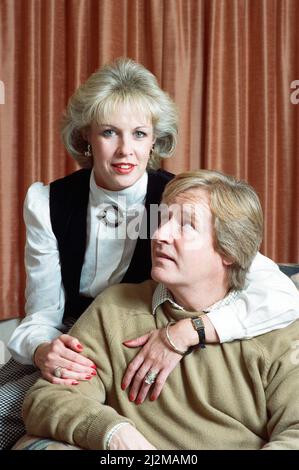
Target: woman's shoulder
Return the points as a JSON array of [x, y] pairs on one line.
[[157, 180], [160, 174], [37, 194], [73, 179], [36, 206]]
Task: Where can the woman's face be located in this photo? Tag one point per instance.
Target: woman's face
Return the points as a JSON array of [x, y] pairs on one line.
[[121, 149]]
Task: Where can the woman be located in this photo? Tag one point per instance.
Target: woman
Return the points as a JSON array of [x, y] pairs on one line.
[[117, 125]]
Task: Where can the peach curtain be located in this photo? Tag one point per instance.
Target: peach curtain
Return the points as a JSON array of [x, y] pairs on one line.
[[228, 64]]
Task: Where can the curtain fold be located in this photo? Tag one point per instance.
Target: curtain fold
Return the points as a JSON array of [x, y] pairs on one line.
[[228, 64]]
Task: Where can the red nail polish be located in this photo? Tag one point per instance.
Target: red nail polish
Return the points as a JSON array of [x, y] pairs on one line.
[[79, 346], [75, 382], [152, 398], [131, 397], [123, 387], [88, 377], [138, 402], [93, 366], [93, 372]]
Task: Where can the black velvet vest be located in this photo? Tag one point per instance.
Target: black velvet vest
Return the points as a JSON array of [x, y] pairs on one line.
[[68, 211]]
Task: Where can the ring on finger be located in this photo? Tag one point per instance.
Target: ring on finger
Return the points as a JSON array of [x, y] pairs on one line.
[[57, 372], [150, 377]]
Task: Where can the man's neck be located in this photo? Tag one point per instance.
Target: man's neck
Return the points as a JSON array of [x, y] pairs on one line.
[[194, 298]]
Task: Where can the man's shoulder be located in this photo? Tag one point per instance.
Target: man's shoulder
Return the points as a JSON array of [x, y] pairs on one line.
[[277, 343], [130, 297]]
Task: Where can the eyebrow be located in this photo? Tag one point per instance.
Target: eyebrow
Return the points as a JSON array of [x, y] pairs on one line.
[[144, 126]]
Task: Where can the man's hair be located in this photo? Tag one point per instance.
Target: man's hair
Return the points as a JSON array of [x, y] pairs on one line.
[[237, 217], [122, 82]]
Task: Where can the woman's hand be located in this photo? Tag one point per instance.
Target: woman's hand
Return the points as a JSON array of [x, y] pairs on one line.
[[157, 357], [63, 353], [128, 438]]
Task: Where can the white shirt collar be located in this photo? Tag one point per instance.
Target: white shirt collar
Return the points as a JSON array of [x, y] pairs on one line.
[[126, 198], [162, 294]]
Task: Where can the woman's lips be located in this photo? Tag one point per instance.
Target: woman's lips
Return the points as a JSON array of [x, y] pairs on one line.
[[123, 168]]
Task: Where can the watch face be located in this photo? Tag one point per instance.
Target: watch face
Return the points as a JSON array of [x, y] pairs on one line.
[[198, 323]]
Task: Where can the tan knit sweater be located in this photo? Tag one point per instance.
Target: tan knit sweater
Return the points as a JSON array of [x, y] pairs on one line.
[[240, 395]]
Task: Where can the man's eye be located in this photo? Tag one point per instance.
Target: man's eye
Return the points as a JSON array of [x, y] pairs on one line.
[[108, 132], [188, 226], [140, 134]]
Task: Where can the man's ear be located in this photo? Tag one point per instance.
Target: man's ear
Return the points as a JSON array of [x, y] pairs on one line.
[[226, 261]]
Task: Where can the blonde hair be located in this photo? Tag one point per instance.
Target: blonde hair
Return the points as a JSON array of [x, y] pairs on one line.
[[122, 82], [237, 217]]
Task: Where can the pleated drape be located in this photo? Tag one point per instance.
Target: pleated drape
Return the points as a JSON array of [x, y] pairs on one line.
[[228, 64]]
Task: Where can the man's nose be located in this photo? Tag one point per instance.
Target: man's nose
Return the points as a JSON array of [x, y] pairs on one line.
[[167, 232]]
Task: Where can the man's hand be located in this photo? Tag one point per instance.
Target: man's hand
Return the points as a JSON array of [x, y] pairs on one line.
[[63, 353], [128, 438]]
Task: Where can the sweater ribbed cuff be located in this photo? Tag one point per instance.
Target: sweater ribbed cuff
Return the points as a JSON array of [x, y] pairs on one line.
[[93, 435]]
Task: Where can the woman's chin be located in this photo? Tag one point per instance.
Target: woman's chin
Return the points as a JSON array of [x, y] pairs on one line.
[[119, 182]]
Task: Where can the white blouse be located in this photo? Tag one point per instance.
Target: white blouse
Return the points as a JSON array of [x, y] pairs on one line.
[[107, 258], [269, 300]]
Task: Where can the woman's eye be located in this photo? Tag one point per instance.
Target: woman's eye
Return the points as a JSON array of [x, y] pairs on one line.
[[140, 134], [108, 132]]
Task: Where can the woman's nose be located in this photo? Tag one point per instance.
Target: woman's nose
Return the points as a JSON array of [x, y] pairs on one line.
[[125, 146]]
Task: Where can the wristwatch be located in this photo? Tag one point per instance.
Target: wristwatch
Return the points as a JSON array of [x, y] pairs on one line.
[[199, 326]]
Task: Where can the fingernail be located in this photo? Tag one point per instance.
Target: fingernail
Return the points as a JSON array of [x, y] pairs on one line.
[[123, 386], [93, 372], [75, 382], [131, 397], [138, 402], [88, 377], [93, 366], [79, 346], [152, 398]]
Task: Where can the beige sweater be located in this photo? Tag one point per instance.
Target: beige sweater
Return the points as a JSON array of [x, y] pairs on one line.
[[240, 395]]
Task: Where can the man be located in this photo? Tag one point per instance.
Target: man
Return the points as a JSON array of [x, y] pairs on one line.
[[240, 395]]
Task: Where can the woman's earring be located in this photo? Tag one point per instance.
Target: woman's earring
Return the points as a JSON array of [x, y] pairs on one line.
[[88, 152], [152, 150]]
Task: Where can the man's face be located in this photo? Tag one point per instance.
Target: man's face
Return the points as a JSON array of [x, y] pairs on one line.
[[183, 252]]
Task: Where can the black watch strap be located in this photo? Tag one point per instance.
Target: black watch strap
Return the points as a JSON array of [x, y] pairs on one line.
[[199, 326]]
